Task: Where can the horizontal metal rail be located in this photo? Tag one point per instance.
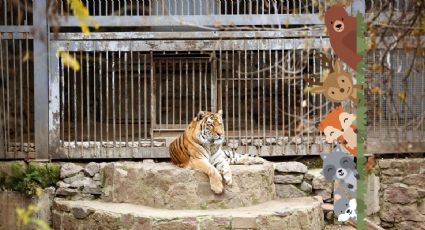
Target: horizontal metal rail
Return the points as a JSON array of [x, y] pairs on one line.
[[199, 35], [186, 45], [214, 21]]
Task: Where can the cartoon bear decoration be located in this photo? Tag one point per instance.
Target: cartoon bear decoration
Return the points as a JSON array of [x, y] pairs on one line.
[[342, 34]]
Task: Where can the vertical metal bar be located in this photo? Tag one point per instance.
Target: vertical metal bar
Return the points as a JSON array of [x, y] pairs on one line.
[[288, 108], [153, 98], [187, 92], [126, 97], [233, 84], [7, 133], [62, 107], [258, 89], [270, 91], [214, 83], [113, 100], [74, 97], [246, 87], [107, 97], [139, 100], [227, 76], [3, 140], [180, 92], [119, 98], [294, 89], [220, 80], [283, 97], [167, 78], [239, 96], [173, 76], [193, 89], [11, 14], [205, 84], [251, 82], [46, 107], [81, 98], [276, 93], [88, 96], [14, 97], [145, 96], [132, 97], [264, 95], [94, 100], [308, 97], [422, 135], [301, 116], [21, 109], [5, 12], [160, 90], [101, 98], [200, 85]]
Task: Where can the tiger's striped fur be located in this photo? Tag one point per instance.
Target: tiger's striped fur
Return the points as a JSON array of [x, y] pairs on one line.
[[199, 148]]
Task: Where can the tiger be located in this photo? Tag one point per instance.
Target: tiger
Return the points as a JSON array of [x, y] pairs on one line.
[[200, 148]]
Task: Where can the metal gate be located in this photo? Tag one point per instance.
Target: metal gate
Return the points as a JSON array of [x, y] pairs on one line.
[[156, 63]]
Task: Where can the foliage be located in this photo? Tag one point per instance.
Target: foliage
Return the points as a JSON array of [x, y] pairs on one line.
[[25, 215], [361, 125], [28, 178]]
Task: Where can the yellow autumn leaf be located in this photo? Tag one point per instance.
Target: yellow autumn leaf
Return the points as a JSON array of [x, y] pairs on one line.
[[69, 60], [26, 57], [376, 90], [402, 96], [82, 13], [286, 23], [308, 89], [377, 67]]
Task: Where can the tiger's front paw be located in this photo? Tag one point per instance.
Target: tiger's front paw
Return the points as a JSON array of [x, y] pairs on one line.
[[216, 185], [228, 178]]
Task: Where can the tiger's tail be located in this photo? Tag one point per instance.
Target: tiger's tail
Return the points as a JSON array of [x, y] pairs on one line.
[[235, 158]]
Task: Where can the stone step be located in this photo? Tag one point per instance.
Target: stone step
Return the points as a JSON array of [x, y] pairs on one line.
[[292, 213], [164, 185]]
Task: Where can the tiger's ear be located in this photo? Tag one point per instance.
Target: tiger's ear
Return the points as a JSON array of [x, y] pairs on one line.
[[220, 112], [200, 115]]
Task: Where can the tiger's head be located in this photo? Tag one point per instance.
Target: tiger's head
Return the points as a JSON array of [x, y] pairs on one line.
[[210, 126]]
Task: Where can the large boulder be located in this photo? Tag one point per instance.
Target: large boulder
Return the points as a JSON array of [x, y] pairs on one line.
[[164, 185]]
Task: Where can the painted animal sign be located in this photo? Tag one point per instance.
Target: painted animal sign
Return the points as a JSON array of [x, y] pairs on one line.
[[340, 166], [337, 86], [342, 34], [339, 126], [344, 208]]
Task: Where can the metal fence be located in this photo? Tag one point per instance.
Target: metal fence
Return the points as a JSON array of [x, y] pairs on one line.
[[136, 91]]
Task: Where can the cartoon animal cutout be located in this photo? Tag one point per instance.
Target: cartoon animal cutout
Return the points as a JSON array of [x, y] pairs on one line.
[[339, 126], [342, 34], [340, 166], [337, 86], [343, 207]]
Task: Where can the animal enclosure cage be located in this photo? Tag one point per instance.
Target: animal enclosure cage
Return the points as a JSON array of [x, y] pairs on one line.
[[154, 64]]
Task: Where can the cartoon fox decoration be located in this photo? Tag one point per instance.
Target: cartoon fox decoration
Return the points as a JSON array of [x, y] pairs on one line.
[[338, 126]]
